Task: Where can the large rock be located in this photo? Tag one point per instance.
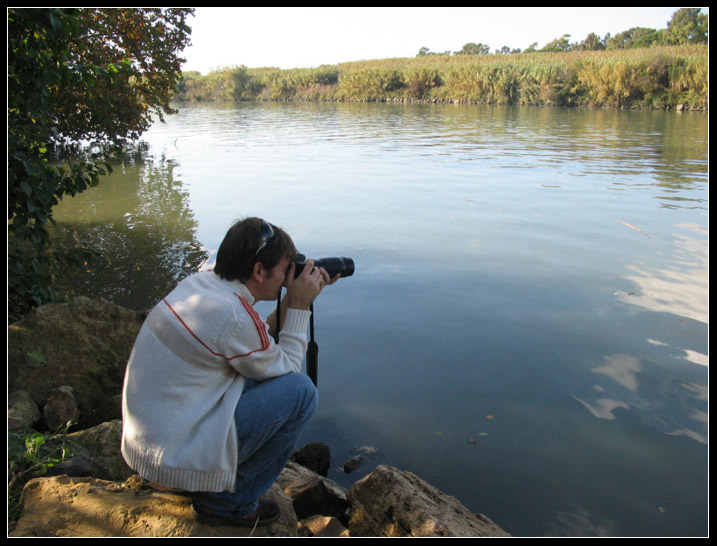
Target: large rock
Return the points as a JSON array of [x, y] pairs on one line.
[[100, 446], [22, 411], [84, 344], [387, 502], [322, 526], [394, 503], [62, 506], [315, 456], [60, 408], [312, 493]]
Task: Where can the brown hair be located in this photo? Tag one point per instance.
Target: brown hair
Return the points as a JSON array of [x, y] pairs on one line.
[[238, 252]]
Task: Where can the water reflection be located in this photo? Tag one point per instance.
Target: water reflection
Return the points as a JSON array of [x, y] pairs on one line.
[[141, 231], [681, 285], [580, 523], [668, 402]]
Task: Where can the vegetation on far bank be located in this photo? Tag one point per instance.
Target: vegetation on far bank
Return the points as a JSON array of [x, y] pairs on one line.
[[637, 68], [655, 77]]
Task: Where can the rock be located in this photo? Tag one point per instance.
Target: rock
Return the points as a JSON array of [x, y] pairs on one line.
[[74, 466], [362, 453], [100, 446], [93, 452], [82, 343], [22, 411], [390, 502], [87, 507], [322, 526], [312, 493], [308, 496], [387, 502], [316, 457], [60, 409], [352, 464]]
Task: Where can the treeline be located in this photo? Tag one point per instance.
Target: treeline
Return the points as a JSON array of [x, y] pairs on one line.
[[686, 26], [637, 68], [654, 77]]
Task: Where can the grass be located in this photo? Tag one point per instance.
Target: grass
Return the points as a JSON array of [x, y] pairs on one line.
[[656, 77]]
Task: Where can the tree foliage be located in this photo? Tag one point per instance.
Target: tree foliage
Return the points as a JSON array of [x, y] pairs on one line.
[[82, 83], [687, 26], [474, 49]]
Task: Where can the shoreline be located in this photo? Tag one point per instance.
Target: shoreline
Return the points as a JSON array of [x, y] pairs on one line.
[[664, 77]]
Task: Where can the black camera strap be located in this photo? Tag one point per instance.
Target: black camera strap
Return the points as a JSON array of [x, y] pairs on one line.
[[312, 352], [278, 318]]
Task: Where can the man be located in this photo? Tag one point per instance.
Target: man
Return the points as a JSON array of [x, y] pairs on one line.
[[211, 403]]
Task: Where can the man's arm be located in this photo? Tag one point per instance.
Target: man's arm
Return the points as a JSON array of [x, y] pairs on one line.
[[271, 319]]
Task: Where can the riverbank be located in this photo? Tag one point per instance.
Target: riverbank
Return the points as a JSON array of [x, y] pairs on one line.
[[66, 364], [658, 77]]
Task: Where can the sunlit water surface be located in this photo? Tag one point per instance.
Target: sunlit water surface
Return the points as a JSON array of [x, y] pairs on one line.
[[527, 325]]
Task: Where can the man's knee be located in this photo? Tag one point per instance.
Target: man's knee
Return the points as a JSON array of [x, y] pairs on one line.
[[307, 390], [300, 388]]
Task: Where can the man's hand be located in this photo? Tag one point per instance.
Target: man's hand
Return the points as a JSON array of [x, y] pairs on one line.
[[302, 290]]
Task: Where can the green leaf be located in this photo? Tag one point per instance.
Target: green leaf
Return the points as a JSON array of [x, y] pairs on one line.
[[36, 359]]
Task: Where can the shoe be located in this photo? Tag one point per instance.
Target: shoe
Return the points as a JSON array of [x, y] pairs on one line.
[[266, 512]]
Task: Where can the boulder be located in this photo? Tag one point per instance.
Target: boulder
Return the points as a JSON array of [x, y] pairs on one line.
[[93, 452], [100, 446], [361, 454], [394, 503], [62, 506], [322, 526], [84, 344], [315, 456], [313, 494], [60, 409], [388, 502], [22, 411]]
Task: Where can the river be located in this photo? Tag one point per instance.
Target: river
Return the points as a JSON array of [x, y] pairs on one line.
[[527, 325]]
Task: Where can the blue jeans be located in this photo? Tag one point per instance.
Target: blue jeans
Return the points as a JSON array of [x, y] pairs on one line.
[[270, 417]]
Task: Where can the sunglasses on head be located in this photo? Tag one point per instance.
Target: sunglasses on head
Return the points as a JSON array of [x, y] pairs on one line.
[[267, 232]]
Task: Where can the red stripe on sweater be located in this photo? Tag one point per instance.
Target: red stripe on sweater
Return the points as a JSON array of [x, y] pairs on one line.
[[258, 323], [195, 336]]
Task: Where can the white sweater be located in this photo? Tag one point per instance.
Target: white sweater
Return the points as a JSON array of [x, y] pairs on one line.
[[185, 376]]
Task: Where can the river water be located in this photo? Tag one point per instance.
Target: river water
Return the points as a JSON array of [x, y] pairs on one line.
[[527, 325]]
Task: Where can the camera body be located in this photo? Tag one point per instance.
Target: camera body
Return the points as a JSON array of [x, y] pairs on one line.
[[333, 266]]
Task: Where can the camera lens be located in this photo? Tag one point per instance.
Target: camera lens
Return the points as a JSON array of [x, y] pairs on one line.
[[333, 266]]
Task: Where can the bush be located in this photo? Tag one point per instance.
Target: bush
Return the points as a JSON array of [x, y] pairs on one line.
[[649, 77]]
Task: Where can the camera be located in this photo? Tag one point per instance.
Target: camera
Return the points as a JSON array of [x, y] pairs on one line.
[[344, 266]]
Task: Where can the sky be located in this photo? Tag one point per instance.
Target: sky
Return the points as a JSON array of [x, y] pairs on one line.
[[305, 37]]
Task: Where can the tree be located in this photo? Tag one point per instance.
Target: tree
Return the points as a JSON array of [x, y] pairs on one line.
[[628, 38], [592, 43], [505, 50], [474, 49], [559, 44], [82, 83], [648, 39], [687, 26]]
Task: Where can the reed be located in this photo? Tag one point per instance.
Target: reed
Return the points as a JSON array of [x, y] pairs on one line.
[[656, 77]]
